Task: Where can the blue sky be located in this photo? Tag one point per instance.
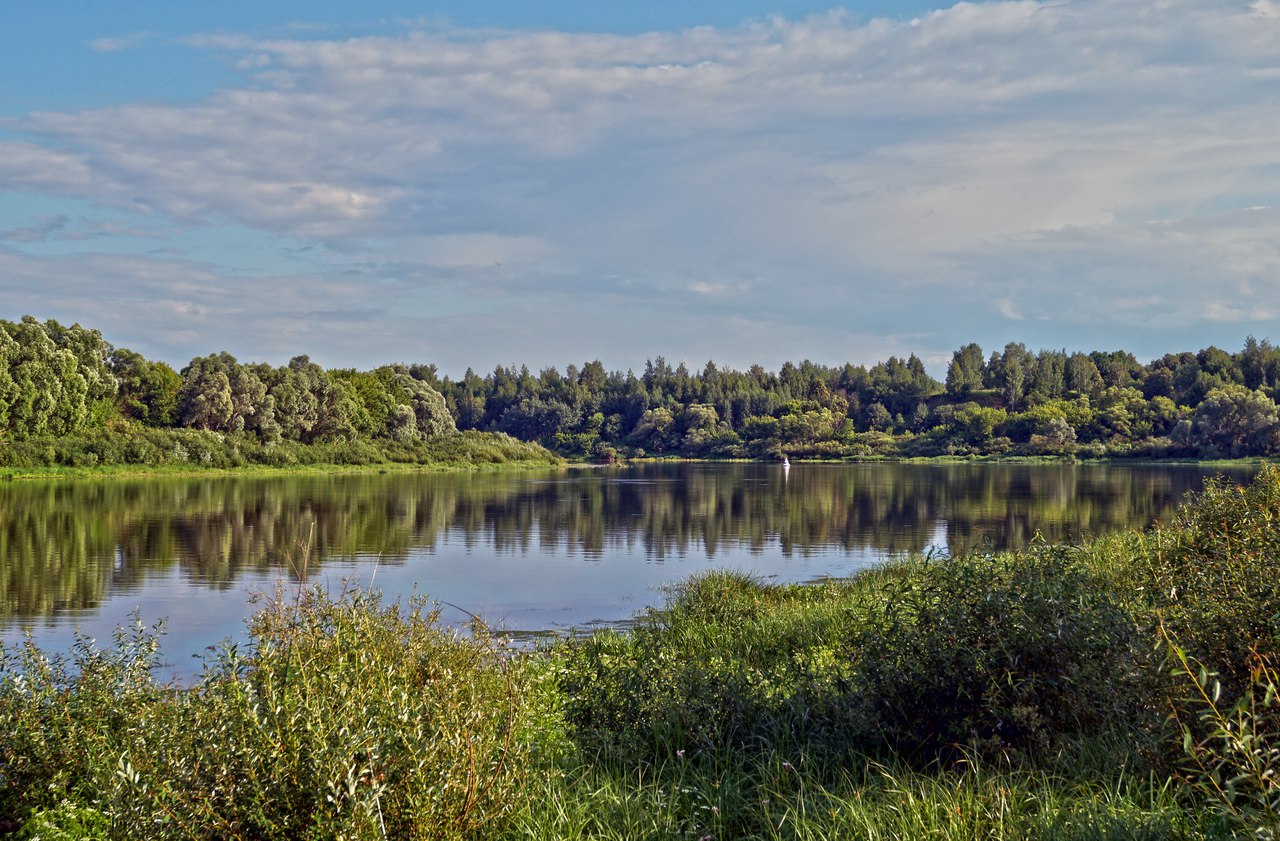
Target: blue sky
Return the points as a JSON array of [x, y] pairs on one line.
[[477, 184]]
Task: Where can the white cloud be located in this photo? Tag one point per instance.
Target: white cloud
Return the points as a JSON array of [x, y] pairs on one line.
[[473, 250], [987, 158], [1008, 309], [40, 229], [59, 227], [118, 43]]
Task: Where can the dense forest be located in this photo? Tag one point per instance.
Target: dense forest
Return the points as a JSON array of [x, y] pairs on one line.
[[67, 396]]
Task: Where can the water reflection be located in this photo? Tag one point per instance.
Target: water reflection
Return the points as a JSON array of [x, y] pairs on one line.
[[67, 546]]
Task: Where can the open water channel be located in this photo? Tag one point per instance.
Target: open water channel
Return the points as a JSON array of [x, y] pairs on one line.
[[529, 551]]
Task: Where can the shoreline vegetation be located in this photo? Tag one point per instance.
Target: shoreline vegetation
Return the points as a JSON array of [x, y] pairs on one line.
[[70, 399], [216, 455], [1124, 688], [537, 458]]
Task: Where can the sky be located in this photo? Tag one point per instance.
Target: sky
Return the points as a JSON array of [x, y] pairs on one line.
[[509, 182]]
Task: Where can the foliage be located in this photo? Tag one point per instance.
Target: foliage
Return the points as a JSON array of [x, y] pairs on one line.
[[148, 390], [1213, 574], [1231, 747], [343, 718], [964, 374], [58, 381], [1231, 422], [993, 652], [123, 444], [992, 696], [53, 379]]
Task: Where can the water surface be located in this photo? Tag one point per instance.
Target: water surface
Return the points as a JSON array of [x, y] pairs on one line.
[[530, 551]]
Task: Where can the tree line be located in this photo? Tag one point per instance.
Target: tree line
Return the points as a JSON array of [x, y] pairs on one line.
[[58, 381], [1209, 403]]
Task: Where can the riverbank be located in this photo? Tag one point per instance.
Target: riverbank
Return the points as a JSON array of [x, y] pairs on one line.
[[949, 459], [144, 453], [987, 696], [538, 461], [131, 451]]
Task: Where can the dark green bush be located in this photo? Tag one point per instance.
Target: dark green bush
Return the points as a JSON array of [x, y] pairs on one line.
[[1212, 576], [729, 664], [993, 653]]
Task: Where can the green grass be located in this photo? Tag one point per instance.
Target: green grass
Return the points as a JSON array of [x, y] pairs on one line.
[[781, 797], [136, 452]]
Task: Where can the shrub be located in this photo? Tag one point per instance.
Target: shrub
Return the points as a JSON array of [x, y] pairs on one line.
[[994, 653], [728, 665], [1213, 574], [1231, 747], [342, 718]]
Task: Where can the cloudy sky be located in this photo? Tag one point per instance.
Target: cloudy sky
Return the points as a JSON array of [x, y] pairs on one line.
[[508, 182]]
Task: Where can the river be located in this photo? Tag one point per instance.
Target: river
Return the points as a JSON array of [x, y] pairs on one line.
[[531, 552]]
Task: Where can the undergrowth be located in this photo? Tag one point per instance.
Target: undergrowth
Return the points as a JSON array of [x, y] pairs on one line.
[[342, 718]]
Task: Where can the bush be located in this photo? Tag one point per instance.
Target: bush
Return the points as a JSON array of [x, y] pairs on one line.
[[992, 653], [728, 665], [1231, 748], [125, 443], [342, 718], [1213, 575], [995, 652]]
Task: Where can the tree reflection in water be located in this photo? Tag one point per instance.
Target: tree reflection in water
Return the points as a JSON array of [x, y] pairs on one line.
[[67, 545]]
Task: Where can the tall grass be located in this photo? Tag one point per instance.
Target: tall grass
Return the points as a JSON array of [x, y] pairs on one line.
[[774, 797]]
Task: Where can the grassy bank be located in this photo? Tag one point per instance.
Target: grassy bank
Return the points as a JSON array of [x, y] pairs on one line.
[[1125, 689], [145, 452]]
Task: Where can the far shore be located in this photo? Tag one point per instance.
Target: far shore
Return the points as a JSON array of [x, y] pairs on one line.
[[165, 471]]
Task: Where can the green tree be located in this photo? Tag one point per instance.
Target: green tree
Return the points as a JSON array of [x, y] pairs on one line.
[[1118, 368], [91, 353], [1259, 364], [656, 429], [878, 417], [1057, 438], [148, 390], [221, 395], [899, 384], [1082, 375], [1234, 421], [294, 390], [975, 424], [430, 413], [58, 380], [964, 374], [1048, 376], [1014, 363], [537, 418]]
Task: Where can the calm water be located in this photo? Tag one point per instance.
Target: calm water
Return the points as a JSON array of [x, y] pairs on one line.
[[528, 551]]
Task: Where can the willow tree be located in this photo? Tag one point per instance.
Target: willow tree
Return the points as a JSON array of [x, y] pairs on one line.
[[55, 380]]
